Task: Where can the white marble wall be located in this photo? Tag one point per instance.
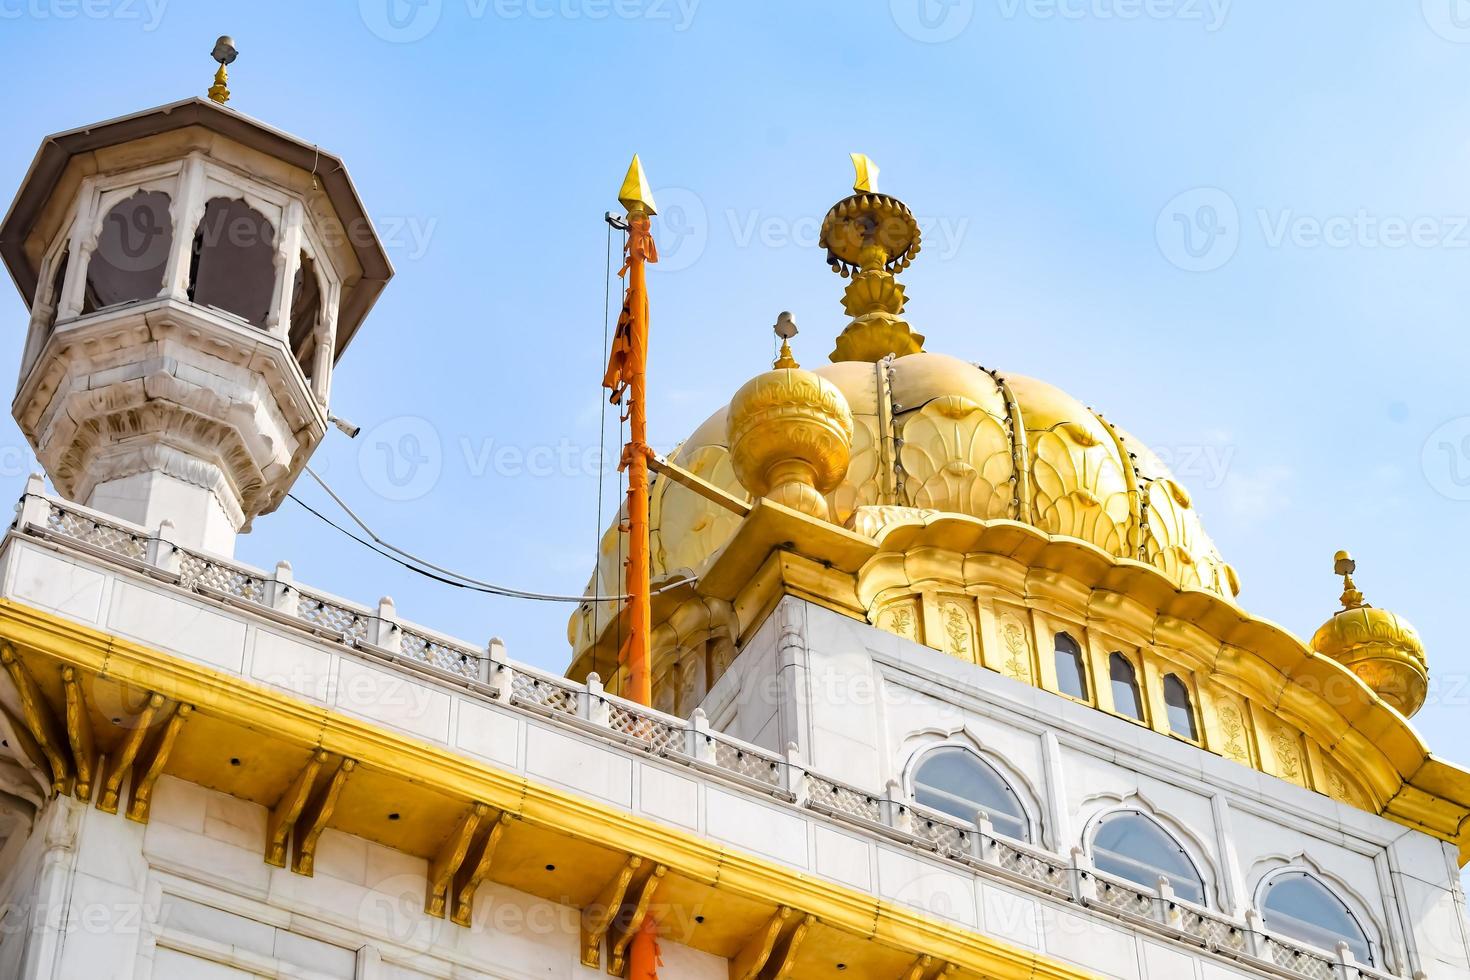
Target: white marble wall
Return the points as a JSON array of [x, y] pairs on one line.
[[864, 705], [187, 897]]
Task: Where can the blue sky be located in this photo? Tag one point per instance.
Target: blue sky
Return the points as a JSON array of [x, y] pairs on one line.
[[1241, 230]]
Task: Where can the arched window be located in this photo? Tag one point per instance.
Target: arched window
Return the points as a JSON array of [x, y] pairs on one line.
[[233, 266], [1298, 906], [1181, 712], [1071, 671], [960, 783], [306, 309], [1125, 687], [1133, 847], [131, 254]]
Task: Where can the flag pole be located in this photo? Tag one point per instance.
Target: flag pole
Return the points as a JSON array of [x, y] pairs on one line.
[[627, 377]]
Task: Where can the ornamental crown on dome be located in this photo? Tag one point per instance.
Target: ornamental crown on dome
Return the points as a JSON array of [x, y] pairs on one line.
[[870, 237]]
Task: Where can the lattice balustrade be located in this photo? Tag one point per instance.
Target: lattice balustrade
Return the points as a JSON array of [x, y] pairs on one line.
[[1317, 966], [950, 840], [743, 761], [527, 689], [844, 799], [1036, 867], [660, 737], [351, 623], [1125, 899], [97, 533], [1215, 932], [196, 572], [444, 656]]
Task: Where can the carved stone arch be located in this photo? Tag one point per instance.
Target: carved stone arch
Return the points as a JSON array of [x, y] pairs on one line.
[[1195, 847], [1271, 866], [919, 743]]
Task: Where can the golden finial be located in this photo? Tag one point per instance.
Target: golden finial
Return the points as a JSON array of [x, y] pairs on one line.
[[1343, 564], [785, 329], [870, 237], [634, 194], [1381, 648], [225, 53]]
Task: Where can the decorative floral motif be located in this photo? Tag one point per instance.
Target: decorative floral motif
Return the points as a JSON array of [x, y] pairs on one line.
[[899, 620], [1288, 754], [957, 458], [1018, 650], [959, 630], [1233, 729], [1080, 487]]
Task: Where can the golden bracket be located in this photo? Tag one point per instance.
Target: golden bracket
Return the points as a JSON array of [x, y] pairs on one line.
[[79, 735], [151, 760], [475, 869], [621, 936], [785, 958], [38, 719], [749, 962], [284, 814], [598, 917], [127, 753], [448, 861], [314, 819]]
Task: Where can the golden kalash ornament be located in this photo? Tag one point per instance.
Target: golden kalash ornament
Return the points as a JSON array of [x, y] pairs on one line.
[[790, 432], [870, 237], [1382, 649]]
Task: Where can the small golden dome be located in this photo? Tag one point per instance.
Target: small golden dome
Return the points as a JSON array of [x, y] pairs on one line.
[[790, 436], [1382, 649]]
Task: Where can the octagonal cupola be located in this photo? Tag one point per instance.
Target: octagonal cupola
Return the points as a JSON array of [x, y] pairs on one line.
[[193, 276]]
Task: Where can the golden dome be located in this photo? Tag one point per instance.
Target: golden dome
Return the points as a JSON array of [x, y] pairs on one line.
[[932, 433], [1382, 649]]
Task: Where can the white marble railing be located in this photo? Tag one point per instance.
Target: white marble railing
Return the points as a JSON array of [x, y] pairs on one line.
[[589, 708]]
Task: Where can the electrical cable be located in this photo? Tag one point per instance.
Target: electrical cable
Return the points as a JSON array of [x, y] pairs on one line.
[[446, 575]]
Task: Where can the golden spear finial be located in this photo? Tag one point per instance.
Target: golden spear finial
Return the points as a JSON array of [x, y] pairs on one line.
[[225, 53], [634, 194], [1343, 564], [867, 174]]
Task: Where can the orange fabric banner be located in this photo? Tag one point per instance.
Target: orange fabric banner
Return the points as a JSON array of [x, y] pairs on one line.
[[639, 245], [644, 958]]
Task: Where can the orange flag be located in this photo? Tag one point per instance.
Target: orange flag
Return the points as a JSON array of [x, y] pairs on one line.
[[639, 244], [643, 958]]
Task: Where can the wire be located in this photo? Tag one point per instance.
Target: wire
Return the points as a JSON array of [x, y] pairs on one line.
[[602, 424], [437, 572]]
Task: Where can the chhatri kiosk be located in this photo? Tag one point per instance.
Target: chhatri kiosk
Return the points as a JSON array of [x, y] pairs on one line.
[[946, 677]]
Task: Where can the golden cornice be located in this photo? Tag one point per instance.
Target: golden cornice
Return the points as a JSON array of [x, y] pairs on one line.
[[875, 937], [776, 551]]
